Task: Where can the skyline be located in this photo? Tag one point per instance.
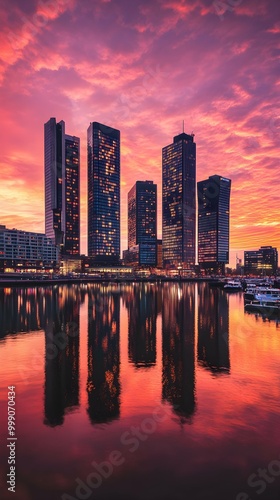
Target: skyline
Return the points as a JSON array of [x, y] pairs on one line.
[[142, 69]]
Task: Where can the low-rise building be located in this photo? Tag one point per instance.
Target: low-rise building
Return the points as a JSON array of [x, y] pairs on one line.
[[26, 251], [261, 262]]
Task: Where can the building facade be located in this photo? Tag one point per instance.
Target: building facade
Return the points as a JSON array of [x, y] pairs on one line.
[[103, 194], [179, 202], [213, 223], [22, 250], [142, 222], [262, 262], [62, 187]]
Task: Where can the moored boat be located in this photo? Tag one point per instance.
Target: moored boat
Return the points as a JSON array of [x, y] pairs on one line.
[[233, 286]]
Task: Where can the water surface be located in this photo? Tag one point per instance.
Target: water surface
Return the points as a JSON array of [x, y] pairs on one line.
[[174, 386]]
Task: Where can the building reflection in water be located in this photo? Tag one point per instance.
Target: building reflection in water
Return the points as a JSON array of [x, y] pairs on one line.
[[62, 305], [103, 384], [141, 303], [213, 329], [21, 310], [178, 359]]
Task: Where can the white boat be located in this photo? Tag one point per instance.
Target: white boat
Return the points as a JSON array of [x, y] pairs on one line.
[[268, 297], [251, 292], [233, 286]]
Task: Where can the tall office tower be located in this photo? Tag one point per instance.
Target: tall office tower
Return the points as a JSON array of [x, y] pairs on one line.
[[179, 201], [71, 196], [62, 187], [103, 194], [142, 221], [213, 223]]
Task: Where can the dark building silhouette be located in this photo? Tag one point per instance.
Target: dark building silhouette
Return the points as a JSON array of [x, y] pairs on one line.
[[142, 223], [103, 386], [178, 359], [179, 202], [213, 223], [213, 329], [103, 194], [142, 317], [62, 391], [261, 262], [62, 187]]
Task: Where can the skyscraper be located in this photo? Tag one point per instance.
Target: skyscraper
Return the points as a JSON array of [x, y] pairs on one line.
[[71, 196], [179, 201], [213, 222], [142, 221], [103, 193], [62, 187]]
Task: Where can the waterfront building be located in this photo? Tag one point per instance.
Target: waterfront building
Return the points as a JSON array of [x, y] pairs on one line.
[[24, 250], [261, 262], [103, 194], [179, 202], [213, 223], [142, 224], [62, 187]]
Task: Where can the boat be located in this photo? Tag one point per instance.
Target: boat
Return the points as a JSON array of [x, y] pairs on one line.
[[217, 283], [252, 291], [267, 307], [274, 298], [233, 286]]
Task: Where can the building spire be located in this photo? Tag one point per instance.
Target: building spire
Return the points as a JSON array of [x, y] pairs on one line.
[[183, 126]]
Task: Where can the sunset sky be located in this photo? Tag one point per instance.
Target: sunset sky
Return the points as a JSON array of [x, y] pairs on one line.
[[143, 67]]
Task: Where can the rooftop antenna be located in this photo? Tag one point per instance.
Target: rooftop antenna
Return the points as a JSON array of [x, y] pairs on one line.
[[183, 126]]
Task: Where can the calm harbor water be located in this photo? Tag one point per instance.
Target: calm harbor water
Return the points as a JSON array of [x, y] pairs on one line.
[[139, 391]]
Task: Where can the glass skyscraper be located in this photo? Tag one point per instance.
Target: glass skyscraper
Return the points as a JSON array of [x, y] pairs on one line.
[[179, 201], [71, 196], [213, 222], [103, 194], [62, 187], [142, 221]]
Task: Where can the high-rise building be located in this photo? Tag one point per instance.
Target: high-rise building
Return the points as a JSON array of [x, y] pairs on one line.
[[179, 202], [142, 221], [213, 223], [71, 196], [62, 187], [261, 262], [103, 193]]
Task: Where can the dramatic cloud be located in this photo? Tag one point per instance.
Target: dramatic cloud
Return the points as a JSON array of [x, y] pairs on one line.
[[143, 67]]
